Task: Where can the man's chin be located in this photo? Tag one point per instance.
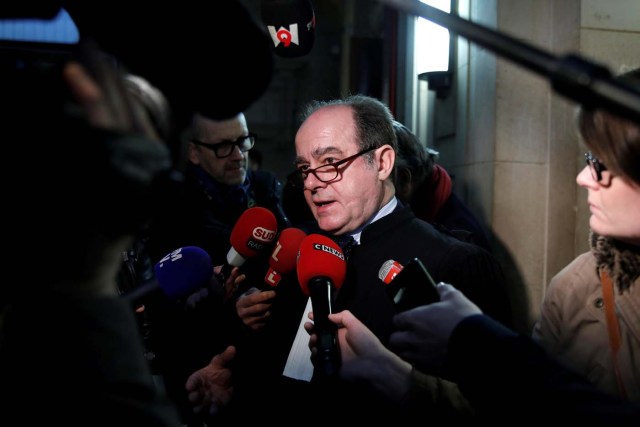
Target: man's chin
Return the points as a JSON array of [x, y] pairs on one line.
[[329, 226], [236, 178]]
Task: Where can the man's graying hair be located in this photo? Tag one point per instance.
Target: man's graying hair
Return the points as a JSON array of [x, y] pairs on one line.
[[374, 121]]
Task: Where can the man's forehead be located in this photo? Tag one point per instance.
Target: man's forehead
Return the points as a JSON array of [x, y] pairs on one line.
[[221, 129], [319, 151], [328, 137]]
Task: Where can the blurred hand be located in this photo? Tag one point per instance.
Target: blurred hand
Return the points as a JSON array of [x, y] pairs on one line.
[[422, 334], [231, 283], [99, 89], [211, 388], [253, 308]]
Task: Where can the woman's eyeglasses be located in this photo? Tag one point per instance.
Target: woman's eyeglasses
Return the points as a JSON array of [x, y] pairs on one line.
[[595, 166]]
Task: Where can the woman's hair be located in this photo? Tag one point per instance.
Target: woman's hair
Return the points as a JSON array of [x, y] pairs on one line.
[[614, 140]]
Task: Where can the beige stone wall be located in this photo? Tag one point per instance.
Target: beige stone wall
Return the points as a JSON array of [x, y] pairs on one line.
[[516, 154]]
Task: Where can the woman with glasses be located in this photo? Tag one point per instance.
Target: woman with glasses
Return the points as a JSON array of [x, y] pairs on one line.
[[590, 318]]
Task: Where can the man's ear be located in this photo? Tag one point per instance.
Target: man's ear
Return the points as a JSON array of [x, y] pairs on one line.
[[386, 160], [194, 156]]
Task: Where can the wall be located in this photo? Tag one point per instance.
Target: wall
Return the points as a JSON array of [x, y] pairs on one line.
[[516, 153]]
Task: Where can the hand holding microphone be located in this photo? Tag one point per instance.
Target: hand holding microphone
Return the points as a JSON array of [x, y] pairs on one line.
[[253, 306], [321, 272]]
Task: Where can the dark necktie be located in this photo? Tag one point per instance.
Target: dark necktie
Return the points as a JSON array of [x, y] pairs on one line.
[[346, 243]]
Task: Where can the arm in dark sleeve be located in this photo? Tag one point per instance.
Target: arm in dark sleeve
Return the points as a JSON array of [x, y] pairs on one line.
[[496, 368], [441, 399]]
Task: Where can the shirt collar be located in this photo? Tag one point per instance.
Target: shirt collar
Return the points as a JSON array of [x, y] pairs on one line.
[[384, 211]]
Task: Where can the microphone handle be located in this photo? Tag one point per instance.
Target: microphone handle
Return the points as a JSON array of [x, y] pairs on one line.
[[142, 290], [225, 272], [322, 294]]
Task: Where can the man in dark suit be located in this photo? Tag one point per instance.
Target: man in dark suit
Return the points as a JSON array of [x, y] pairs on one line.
[[345, 156]]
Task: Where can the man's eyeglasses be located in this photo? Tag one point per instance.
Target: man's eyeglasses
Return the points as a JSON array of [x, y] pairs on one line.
[[595, 166], [224, 148], [325, 173]]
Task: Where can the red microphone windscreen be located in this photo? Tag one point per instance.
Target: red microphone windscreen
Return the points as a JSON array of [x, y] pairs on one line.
[[285, 253], [320, 257], [255, 229]]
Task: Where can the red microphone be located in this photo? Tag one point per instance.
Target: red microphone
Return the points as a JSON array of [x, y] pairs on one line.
[[284, 256], [389, 270], [321, 272], [254, 231]]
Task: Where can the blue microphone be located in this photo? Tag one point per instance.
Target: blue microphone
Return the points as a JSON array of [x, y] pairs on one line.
[[179, 274]]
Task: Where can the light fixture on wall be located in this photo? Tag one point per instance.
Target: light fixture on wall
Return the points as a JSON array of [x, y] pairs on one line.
[[439, 81], [431, 51]]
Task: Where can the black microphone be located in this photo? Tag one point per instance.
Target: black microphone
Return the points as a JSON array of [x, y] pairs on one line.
[[291, 25], [409, 286]]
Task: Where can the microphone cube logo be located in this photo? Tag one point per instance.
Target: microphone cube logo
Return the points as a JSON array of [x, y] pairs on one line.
[[389, 271], [173, 257], [329, 250], [284, 35], [273, 277], [260, 238], [276, 251], [263, 234]]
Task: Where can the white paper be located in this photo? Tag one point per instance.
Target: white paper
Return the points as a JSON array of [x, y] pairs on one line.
[[299, 364]]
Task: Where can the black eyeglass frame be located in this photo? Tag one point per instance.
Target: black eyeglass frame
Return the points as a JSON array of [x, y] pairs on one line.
[[251, 137], [298, 176], [595, 166]]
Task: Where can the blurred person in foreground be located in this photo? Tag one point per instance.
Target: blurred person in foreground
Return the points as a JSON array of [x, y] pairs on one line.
[[62, 326]]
